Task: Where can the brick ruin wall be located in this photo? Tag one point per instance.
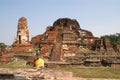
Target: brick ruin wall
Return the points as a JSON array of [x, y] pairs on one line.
[[65, 38]]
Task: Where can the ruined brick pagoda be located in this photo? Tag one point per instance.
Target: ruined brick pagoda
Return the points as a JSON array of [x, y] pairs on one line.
[[21, 41], [63, 39]]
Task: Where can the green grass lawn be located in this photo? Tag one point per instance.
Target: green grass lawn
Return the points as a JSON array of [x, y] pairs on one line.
[[94, 72]]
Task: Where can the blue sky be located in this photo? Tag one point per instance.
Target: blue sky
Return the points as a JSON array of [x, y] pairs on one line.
[[101, 17]]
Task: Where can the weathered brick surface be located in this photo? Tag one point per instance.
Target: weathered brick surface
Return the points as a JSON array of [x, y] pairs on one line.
[[63, 39], [104, 46], [21, 41]]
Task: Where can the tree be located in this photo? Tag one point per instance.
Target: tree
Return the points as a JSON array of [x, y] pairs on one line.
[[2, 45], [114, 38]]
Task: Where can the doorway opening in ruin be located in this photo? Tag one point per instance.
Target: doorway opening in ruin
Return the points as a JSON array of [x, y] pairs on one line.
[[19, 39]]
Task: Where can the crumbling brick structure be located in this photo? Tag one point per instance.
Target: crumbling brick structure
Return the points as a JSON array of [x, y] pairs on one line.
[[117, 48], [21, 41], [104, 46], [4, 58], [63, 39]]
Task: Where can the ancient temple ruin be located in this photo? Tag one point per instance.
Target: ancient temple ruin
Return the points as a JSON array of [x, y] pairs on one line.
[[67, 43], [21, 41], [63, 39]]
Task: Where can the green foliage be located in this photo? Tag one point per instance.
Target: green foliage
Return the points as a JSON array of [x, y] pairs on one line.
[[114, 38], [2, 45]]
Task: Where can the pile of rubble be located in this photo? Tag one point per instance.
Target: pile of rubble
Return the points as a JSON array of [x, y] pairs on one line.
[[34, 74], [4, 58]]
